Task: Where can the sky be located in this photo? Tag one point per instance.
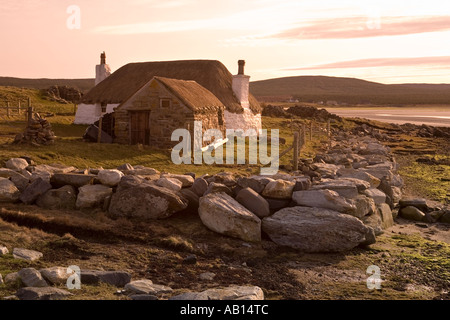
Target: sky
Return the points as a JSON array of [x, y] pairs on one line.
[[395, 41]]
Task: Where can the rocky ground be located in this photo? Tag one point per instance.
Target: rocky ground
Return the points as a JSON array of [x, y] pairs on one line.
[[90, 220]]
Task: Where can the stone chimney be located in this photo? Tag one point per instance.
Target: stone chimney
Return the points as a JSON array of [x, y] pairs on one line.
[[102, 70], [241, 85]]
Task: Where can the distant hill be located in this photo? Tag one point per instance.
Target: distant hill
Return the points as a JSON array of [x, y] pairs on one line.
[[349, 90], [82, 84]]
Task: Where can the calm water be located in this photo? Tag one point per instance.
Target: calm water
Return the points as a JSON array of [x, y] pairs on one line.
[[433, 117]]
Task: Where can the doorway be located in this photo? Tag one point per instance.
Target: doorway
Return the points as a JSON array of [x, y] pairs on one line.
[[140, 127]]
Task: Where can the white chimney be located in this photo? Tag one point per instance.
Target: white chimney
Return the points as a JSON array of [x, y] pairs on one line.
[[241, 85], [102, 70]]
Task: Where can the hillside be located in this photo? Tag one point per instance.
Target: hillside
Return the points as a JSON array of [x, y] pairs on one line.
[[82, 84], [349, 90]]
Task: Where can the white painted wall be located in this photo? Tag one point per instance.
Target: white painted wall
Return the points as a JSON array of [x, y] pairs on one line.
[[102, 71], [246, 120], [89, 113], [241, 89]]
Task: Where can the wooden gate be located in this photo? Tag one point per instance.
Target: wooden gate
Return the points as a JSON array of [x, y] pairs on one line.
[[140, 127]]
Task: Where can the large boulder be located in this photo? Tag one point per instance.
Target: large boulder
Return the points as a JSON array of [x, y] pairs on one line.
[[253, 201], [314, 229], [230, 293], [62, 198], [387, 220], [326, 169], [146, 201], [110, 178], [364, 206], [114, 278], [345, 188], [34, 190], [327, 199], [361, 175], [16, 164], [412, 213], [279, 189], [419, 203], [199, 186], [32, 278], [45, 293], [186, 180], [377, 195], [215, 187], [170, 183], [26, 254], [221, 213], [226, 178], [73, 179], [374, 221], [55, 275], [8, 191], [257, 183], [19, 180], [92, 196], [145, 286]]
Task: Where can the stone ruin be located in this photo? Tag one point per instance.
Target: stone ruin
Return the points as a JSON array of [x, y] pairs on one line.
[[38, 132]]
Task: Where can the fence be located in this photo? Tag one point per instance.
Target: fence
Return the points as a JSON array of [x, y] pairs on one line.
[[17, 108]]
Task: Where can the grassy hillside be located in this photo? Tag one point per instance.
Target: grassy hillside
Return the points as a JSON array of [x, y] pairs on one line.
[[350, 90], [82, 84]]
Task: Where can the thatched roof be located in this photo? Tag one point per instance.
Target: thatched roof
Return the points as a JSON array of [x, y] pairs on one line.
[[193, 95], [211, 74]]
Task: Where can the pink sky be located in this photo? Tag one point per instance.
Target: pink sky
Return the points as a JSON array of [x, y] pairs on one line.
[[385, 41]]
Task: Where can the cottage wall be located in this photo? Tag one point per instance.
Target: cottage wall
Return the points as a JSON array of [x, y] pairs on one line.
[[163, 120], [89, 113]]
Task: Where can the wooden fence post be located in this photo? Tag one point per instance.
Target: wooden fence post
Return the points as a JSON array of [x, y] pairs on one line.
[[100, 124], [310, 131], [29, 112], [7, 109], [329, 132], [296, 145], [18, 108], [304, 133]]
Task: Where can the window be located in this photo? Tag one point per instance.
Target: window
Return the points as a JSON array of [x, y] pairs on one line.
[[165, 103], [220, 117], [104, 107]]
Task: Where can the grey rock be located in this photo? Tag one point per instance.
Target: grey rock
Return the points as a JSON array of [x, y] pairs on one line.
[[445, 218], [92, 196], [419, 203], [16, 164], [125, 166], [257, 183], [253, 201], [199, 186], [114, 278], [131, 181], [190, 259], [55, 275], [325, 169], [345, 188], [170, 183], [146, 201], [62, 198], [25, 254], [110, 178], [59, 180], [370, 237], [412, 213], [279, 189], [314, 229], [221, 213], [192, 198], [34, 190], [387, 220], [8, 191], [361, 175], [45, 293], [1, 280], [396, 195], [327, 199], [361, 185], [377, 195], [226, 178], [185, 180], [230, 293], [145, 286], [277, 204], [302, 183], [215, 187], [147, 173], [207, 276], [374, 221], [364, 206], [19, 180], [32, 278]]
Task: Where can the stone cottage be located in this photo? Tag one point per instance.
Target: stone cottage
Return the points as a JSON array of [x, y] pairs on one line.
[[163, 105], [242, 110]]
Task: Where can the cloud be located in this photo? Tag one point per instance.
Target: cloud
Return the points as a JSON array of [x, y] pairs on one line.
[[363, 27], [381, 62]]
